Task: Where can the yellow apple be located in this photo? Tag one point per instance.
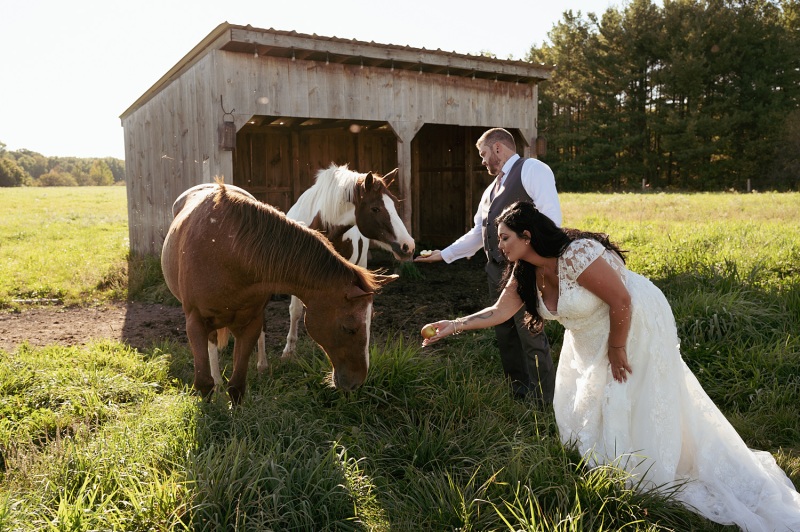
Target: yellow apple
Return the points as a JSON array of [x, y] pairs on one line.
[[428, 331], [425, 253]]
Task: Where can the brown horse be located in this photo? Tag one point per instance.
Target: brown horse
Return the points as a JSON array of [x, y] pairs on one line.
[[351, 209], [224, 256]]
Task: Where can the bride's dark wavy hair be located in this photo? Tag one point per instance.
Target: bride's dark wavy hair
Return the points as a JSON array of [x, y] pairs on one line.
[[548, 240]]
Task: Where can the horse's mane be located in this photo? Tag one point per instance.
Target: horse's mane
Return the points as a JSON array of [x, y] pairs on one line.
[[333, 192], [271, 245]]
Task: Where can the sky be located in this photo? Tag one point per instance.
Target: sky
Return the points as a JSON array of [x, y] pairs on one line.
[[69, 69]]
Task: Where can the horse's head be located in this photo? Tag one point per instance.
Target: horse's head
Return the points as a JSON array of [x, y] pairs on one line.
[[377, 218], [341, 326]]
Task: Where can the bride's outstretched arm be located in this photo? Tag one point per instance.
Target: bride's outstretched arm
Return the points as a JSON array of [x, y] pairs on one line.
[[504, 308]]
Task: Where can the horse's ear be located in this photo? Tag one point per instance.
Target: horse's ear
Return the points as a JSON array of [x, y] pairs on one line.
[[386, 279], [354, 292], [390, 177], [364, 186]]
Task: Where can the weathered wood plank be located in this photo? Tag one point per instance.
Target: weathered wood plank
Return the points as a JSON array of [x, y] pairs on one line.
[[171, 132]]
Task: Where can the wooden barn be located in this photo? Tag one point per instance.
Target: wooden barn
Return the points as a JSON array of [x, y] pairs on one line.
[[266, 109]]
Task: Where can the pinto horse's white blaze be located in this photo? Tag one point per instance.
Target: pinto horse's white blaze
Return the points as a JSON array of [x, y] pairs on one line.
[[403, 240]]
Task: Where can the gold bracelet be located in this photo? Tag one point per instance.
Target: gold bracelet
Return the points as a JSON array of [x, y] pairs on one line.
[[456, 322]]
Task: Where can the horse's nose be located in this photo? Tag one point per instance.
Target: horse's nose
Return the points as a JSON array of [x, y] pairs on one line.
[[406, 248], [346, 384]]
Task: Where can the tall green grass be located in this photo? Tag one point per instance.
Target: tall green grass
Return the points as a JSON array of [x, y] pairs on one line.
[[103, 437], [67, 244], [433, 442]]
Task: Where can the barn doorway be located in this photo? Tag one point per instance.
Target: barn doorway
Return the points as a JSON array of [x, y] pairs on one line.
[[449, 181], [277, 158]]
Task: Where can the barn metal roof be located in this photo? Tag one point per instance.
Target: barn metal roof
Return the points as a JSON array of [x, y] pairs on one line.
[[291, 44]]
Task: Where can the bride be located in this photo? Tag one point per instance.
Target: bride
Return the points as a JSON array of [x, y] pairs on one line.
[[623, 393]]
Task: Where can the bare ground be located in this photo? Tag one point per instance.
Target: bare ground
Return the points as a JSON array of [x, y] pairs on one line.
[[446, 291]]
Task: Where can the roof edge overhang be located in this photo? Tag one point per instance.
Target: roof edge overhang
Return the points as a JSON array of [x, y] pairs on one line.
[[290, 44]]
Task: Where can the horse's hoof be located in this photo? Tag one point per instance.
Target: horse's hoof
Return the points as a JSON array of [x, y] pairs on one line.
[[204, 396], [236, 395], [204, 390]]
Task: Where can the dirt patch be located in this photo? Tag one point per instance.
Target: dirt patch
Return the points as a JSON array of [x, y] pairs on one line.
[[445, 291]]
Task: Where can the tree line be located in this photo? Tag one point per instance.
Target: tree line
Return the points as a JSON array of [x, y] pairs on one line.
[[28, 168], [692, 95]]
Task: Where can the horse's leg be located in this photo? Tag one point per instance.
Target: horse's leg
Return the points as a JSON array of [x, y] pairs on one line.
[[244, 340], [198, 340], [295, 315], [262, 352], [213, 364], [216, 340]]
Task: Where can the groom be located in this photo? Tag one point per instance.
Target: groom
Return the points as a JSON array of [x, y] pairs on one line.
[[525, 356]]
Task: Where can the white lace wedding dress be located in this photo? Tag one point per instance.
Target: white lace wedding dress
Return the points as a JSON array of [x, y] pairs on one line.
[[660, 425]]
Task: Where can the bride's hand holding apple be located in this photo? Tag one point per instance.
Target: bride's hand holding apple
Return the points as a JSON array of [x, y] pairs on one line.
[[433, 332]]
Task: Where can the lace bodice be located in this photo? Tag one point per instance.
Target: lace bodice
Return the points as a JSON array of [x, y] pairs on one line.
[[578, 307]]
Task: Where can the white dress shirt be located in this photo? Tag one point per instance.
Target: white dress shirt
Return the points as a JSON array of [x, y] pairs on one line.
[[539, 183]]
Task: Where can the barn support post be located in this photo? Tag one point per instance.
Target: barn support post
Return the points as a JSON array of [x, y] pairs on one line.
[[469, 174], [294, 195], [529, 136], [405, 132]]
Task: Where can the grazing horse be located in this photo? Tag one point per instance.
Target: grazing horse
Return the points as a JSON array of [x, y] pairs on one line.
[[351, 209], [224, 256]]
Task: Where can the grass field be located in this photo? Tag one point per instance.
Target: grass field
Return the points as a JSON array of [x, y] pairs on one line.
[[107, 438], [64, 243]]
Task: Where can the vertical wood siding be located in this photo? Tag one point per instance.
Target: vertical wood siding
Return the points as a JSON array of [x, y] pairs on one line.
[[171, 140]]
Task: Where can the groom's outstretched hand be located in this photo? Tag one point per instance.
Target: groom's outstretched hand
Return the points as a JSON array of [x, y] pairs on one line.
[[429, 256]]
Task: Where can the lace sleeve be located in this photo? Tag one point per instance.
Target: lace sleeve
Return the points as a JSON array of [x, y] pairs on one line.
[[579, 255]]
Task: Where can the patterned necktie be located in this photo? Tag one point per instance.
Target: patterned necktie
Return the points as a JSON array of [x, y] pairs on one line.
[[497, 184]]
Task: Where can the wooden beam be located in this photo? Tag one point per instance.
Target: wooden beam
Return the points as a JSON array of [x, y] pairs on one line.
[[379, 52], [294, 141], [405, 131]]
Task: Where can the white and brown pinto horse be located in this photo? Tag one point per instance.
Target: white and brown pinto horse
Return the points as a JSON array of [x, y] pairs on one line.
[[351, 209], [224, 256]]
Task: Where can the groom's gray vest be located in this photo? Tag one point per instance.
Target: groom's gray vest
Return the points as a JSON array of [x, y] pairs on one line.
[[512, 191]]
